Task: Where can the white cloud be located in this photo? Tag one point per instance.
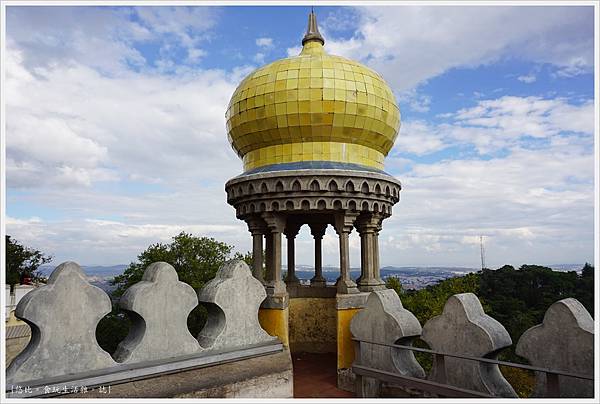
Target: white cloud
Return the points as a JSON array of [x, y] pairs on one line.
[[529, 78], [529, 116], [294, 51], [575, 67], [264, 42], [139, 124], [195, 54], [494, 124], [526, 204], [414, 100], [104, 38], [422, 42], [89, 241], [418, 137]]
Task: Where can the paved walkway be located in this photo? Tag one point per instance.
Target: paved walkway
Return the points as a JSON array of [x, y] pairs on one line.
[[315, 376]]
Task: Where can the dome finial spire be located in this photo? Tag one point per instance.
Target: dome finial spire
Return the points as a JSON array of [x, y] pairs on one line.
[[312, 33]]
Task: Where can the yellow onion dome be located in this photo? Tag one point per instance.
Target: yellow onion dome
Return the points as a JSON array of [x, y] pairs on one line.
[[313, 107]]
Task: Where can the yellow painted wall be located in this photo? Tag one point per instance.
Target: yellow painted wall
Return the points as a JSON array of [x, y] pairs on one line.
[[312, 324], [345, 345], [275, 322]]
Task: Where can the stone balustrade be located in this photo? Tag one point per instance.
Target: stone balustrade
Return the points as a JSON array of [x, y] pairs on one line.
[[563, 343], [64, 313]]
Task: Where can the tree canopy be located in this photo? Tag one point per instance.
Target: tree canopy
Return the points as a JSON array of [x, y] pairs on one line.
[[22, 262], [196, 260]]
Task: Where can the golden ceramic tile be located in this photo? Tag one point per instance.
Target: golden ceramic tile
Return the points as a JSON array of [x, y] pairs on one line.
[[303, 94], [316, 82], [280, 96], [316, 106], [291, 95], [351, 108], [304, 119], [303, 106], [269, 98], [293, 119], [304, 83], [328, 94], [270, 110], [291, 84], [328, 106], [316, 72], [292, 107], [338, 120], [281, 109], [316, 119]]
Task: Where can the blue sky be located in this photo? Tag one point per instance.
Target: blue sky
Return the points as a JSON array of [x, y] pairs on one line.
[[116, 138]]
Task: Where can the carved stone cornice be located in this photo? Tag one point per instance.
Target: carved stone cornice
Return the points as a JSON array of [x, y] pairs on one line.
[[313, 191]]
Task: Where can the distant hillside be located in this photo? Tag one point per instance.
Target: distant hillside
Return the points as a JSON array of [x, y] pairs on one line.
[[328, 271], [99, 271]]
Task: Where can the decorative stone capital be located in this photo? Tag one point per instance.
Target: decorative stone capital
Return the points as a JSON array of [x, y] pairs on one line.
[[344, 222], [318, 230], [275, 222], [368, 223], [256, 225], [292, 228]]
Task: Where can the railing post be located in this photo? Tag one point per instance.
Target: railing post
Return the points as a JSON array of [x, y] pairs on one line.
[[552, 385], [358, 381], [440, 368]]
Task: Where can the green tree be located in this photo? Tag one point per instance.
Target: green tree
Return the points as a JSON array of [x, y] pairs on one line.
[[393, 282], [585, 287], [22, 262], [196, 260]]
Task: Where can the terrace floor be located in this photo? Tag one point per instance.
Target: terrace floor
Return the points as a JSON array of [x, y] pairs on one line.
[[315, 376]]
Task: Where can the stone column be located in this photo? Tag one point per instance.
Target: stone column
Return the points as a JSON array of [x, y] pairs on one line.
[[275, 226], [291, 231], [344, 223], [376, 266], [367, 226], [257, 228], [318, 231]]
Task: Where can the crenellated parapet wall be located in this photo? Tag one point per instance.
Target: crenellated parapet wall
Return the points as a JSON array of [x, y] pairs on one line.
[[465, 343], [63, 316]]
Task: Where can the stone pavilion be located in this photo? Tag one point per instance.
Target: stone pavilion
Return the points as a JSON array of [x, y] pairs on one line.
[[312, 131]]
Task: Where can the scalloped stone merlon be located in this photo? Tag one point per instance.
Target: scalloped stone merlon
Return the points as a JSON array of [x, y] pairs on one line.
[[564, 341], [463, 328], [63, 315], [233, 298], [158, 306]]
